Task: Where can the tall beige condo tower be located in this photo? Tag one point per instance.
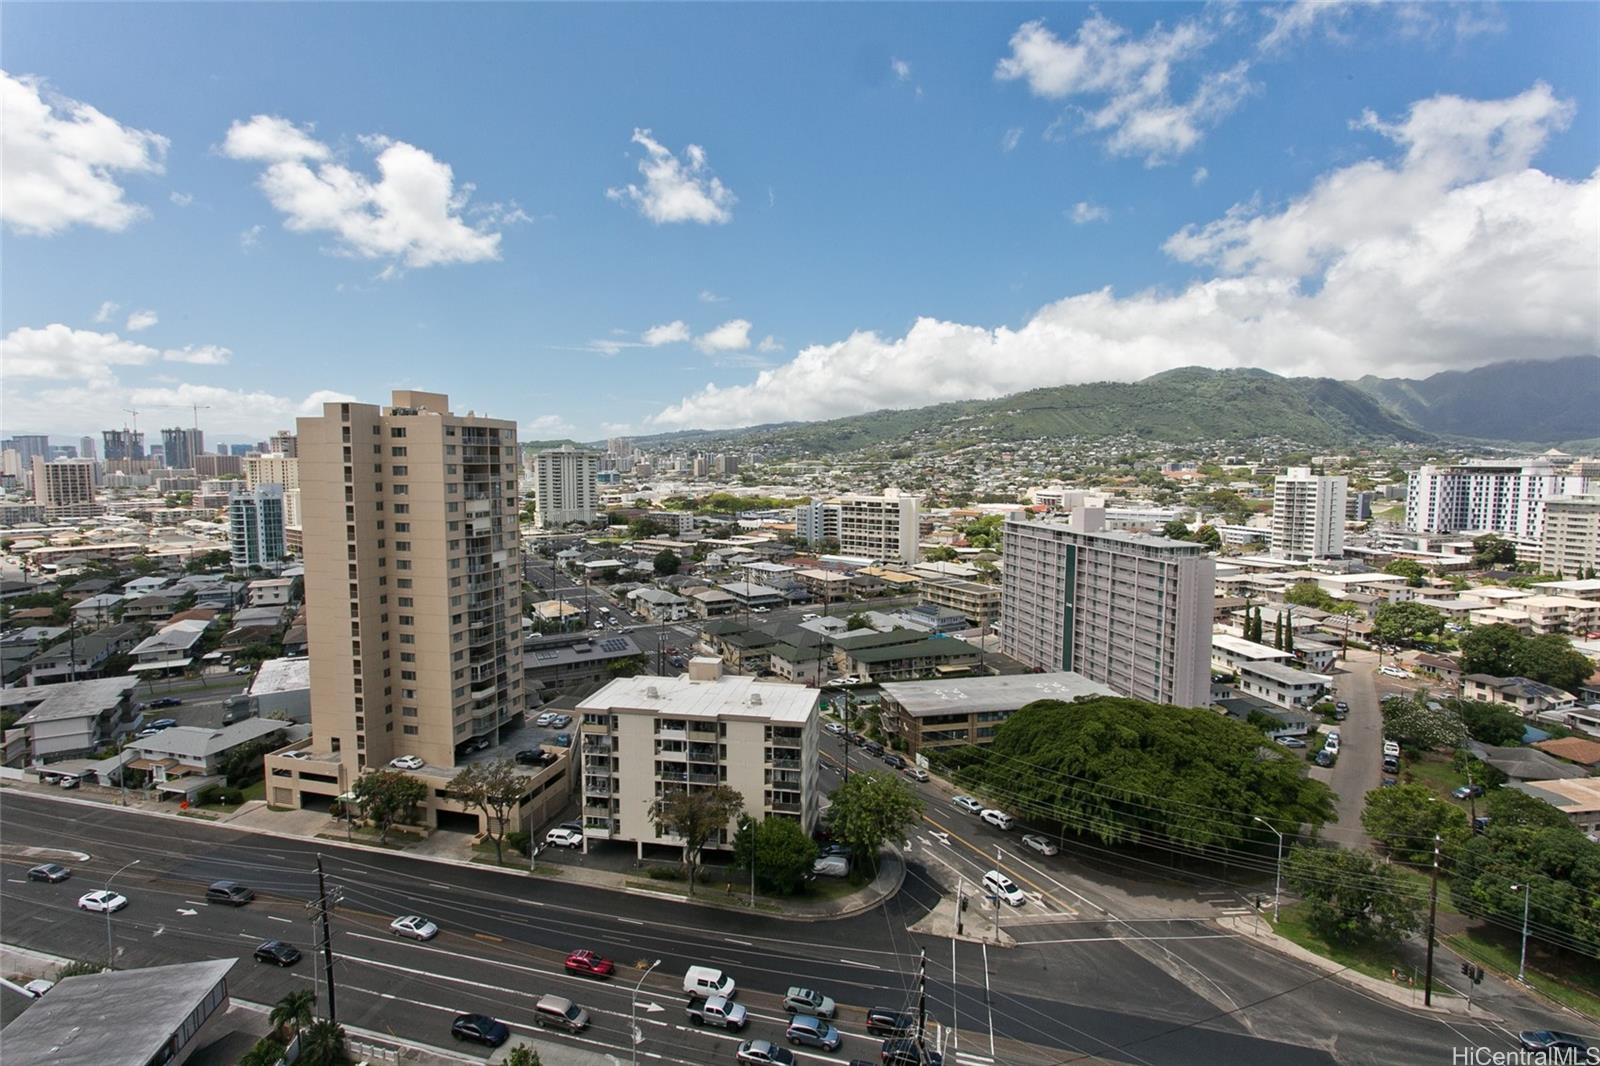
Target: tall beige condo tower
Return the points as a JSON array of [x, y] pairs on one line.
[[412, 578], [564, 487], [1308, 514]]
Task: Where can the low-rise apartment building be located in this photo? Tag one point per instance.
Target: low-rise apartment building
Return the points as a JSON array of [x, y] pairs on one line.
[[928, 715], [1577, 798], [565, 662], [980, 603], [83, 657], [1229, 653], [1525, 696], [72, 718], [1282, 686], [641, 738]]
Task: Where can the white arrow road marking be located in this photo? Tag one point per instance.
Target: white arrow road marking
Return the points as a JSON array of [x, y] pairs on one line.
[[186, 912], [652, 1007], [159, 930]]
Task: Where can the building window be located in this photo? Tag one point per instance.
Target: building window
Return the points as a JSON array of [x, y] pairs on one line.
[[402, 508], [398, 453], [410, 730], [396, 431]]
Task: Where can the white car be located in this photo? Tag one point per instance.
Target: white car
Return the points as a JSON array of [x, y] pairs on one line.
[[297, 755], [835, 728], [564, 838], [1393, 671], [545, 719], [413, 926], [102, 901], [998, 819], [998, 884], [1040, 844], [406, 762], [968, 804]]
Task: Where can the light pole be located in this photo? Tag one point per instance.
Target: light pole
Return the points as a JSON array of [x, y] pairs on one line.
[[110, 957], [634, 1035], [1527, 898], [1277, 881]]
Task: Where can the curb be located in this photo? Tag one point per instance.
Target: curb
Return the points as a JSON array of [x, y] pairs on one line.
[[847, 912]]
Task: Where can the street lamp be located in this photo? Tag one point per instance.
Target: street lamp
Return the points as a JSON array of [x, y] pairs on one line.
[[110, 957], [1277, 881], [634, 1035], [1527, 898]]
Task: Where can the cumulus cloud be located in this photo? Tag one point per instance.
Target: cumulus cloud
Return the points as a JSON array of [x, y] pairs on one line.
[[88, 406], [142, 320], [545, 427], [1127, 82], [732, 336], [676, 189], [1083, 211], [198, 355], [59, 351], [63, 159], [674, 332], [413, 214], [181, 199], [107, 309], [709, 297], [1451, 252], [769, 344]]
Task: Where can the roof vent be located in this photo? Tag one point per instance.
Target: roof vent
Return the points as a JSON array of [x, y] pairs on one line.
[[755, 699], [653, 692]]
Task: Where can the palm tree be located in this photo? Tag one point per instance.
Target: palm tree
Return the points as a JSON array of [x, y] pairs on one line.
[[293, 1011], [322, 1044]]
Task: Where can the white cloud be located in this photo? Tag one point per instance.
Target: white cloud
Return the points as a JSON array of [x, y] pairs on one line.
[[107, 309], [1128, 81], [1292, 22], [1010, 139], [1199, 176], [1083, 211], [182, 199], [674, 332], [732, 336], [198, 355], [709, 297], [251, 237], [676, 189], [770, 344], [413, 214], [546, 427], [62, 158], [59, 351], [900, 68], [1453, 253], [142, 320]]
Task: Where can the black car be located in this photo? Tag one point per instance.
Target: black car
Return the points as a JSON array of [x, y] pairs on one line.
[[481, 1028], [1550, 1040], [50, 871], [872, 747], [530, 756], [167, 701], [894, 762], [884, 1021], [276, 951], [904, 1052]]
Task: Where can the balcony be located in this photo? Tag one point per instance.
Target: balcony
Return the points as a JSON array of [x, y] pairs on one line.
[[783, 807], [592, 742], [784, 764], [597, 786], [672, 734]]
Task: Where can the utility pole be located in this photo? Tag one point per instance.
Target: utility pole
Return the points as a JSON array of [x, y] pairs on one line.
[[320, 908], [1433, 910]]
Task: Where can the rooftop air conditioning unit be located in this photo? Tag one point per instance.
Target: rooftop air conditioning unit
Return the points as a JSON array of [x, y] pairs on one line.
[[653, 692]]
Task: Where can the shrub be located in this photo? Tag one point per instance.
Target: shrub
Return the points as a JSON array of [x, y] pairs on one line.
[[519, 841], [664, 873]]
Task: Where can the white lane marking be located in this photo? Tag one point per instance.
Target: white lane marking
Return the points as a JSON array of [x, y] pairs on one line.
[[630, 921], [741, 943], [196, 903], [863, 965], [17, 880], [988, 999], [285, 921], [1129, 939]]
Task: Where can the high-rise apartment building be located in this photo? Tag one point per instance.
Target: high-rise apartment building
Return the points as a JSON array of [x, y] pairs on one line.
[[1571, 535], [86, 448], [1308, 514], [255, 526], [413, 579], [180, 446], [284, 443], [65, 488], [883, 527], [618, 446], [564, 487], [1128, 610], [123, 444], [643, 737], [275, 468], [1498, 497], [816, 521]]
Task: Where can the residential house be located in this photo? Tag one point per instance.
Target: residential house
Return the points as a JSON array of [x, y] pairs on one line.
[[1578, 799], [185, 760], [659, 606], [1446, 669], [96, 610], [154, 606], [83, 657], [172, 648], [73, 718], [1528, 698], [270, 591], [1275, 722]]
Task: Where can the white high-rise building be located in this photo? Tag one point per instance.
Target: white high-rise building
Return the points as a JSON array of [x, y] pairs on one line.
[[1128, 610], [255, 526], [883, 527], [1571, 535], [1499, 497], [816, 521], [1308, 514], [564, 487], [276, 468]]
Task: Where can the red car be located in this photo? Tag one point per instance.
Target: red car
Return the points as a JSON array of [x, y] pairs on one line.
[[587, 962]]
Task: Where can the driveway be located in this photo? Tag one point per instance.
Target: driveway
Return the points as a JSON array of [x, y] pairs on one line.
[[1360, 765]]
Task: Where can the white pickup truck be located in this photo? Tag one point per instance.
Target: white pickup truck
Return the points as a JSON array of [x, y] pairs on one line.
[[719, 1011]]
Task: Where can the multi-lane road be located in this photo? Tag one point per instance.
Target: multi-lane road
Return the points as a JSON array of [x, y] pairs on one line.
[[1079, 985]]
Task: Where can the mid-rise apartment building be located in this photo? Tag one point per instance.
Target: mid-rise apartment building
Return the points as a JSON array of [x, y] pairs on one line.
[[276, 468], [284, 443], [1492, 496], [255, 527], [1571, 535], [1130, 611], [641, 738], [412, 578], [816, 521], [1308, 512], [883, 527], [180, 447], [564, 487], [65, 488]]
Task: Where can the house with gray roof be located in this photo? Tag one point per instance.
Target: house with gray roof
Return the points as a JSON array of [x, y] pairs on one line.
[[72, 718]]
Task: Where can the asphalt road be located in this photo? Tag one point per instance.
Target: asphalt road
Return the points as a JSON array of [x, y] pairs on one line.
[[1084, 986]]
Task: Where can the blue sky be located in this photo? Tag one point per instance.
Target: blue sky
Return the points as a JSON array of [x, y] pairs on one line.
[[846, 207]]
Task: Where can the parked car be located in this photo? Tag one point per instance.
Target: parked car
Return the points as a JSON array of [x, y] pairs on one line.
[[297, 754], [1467, 792], [831, 866], [278, 953], [161, 723], [998, 884], [968, 804], [916, 773], [885, 1021], [1291, 742], [481, 1029], [545, 719], [413, 927], [406, 762], [38, 987], [807, 1030], [532, 756], [563, 838], [241, 670], [872, 747], [590, 964], [53, 872], [230, 892], [561, 721], [102, 901], [997, 818], [800, 1000], [1341, 705], [894, 761], [719, 1011], [166, 701], [763, 1053], [835, 728], [1551, 1040], [1040, 844], [563, 740], [1323, 757]]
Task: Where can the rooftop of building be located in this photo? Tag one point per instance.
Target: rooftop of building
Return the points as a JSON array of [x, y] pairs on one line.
[[724, 696], [1285, 675], [1522, 686], [926, 646], [1240, 646], [68, 699], [199, 742], [281, 675], [978, 694], [1573, 749], [541, 652], [1580, 795]]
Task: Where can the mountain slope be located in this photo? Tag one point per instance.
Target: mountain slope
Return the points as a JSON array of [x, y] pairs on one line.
[[1525, 400]]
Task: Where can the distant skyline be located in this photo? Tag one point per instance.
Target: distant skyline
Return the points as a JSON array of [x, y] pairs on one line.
[[608, 220]]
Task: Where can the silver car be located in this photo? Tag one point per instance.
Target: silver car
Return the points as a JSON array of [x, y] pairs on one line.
[[1040, 844]]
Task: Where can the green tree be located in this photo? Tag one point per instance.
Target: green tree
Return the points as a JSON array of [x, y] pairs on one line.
[[1277, 632], [1352, 896], [264, 1052], [387, 796], [1490, 650], [293, 1012], [941, 554], [870, 809], [1508, 808], [1413, 724], [1490, 550], [322, 1044], [522, 1055], [1405, 818], [495, 789], [1414, 572], [1560, 867], [696, 817], [642, 527], [1489, 723], [1552, 659], [1309, 594], [666, 563], [1177, 529], [1208, 535], [1406, 623], [783, 852], [857, 621]]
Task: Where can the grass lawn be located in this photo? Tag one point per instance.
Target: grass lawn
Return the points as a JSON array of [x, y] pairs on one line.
[[1373, 961], [257, 791], [1558, 976], [1436, 773]]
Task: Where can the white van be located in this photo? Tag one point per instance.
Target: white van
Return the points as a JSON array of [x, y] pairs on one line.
[[703, 982]]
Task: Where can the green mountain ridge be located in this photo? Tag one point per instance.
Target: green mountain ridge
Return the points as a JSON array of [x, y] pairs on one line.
[[1544, 401]]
